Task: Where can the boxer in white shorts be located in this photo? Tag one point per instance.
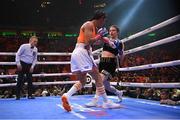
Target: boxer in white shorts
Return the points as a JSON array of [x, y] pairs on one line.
[[82, 59]]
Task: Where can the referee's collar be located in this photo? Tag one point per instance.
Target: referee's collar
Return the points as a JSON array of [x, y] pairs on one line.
[[32, 47]]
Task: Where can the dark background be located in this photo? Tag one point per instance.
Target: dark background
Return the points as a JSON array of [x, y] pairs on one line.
[[67, 15]]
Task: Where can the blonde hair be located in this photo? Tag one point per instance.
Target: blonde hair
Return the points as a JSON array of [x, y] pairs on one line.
[[33, 37]]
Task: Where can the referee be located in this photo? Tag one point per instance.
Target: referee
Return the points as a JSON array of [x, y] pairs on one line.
[[26, 58]]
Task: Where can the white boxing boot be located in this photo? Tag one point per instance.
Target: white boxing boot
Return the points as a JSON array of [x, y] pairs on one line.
[[110, 105], [92, 103]]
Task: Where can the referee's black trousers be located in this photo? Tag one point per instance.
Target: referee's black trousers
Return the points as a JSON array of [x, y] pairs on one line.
[[20, 81]]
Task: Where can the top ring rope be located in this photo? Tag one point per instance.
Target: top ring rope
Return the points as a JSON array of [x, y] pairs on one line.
[[148, 30]]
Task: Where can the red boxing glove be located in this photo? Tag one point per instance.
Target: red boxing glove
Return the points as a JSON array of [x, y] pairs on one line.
[[98, 37], [105, 39], [108, 41]]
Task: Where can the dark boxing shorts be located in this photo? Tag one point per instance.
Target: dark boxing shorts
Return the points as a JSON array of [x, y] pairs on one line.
[[107, 64]]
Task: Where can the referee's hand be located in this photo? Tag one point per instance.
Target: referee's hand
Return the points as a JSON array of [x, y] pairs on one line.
[[31, 70], [19, 67]]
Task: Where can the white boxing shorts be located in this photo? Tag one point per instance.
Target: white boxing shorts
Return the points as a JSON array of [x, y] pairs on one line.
[[82, 59]]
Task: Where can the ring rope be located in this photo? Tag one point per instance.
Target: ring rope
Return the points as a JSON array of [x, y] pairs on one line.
[[38, 75], [148, 85], [141, 67], [153, 44], [40, 53], [148, 30], [124, 84], [39, 63], [149, 66], [41, 83], [43, 63]]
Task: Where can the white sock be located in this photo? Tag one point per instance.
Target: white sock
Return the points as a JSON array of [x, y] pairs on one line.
[[72, 91], [76, 87]]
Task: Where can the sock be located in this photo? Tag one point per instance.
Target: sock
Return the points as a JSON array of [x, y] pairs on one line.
[[117, 92], [76, 87], [100, 91], [110, 88]]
